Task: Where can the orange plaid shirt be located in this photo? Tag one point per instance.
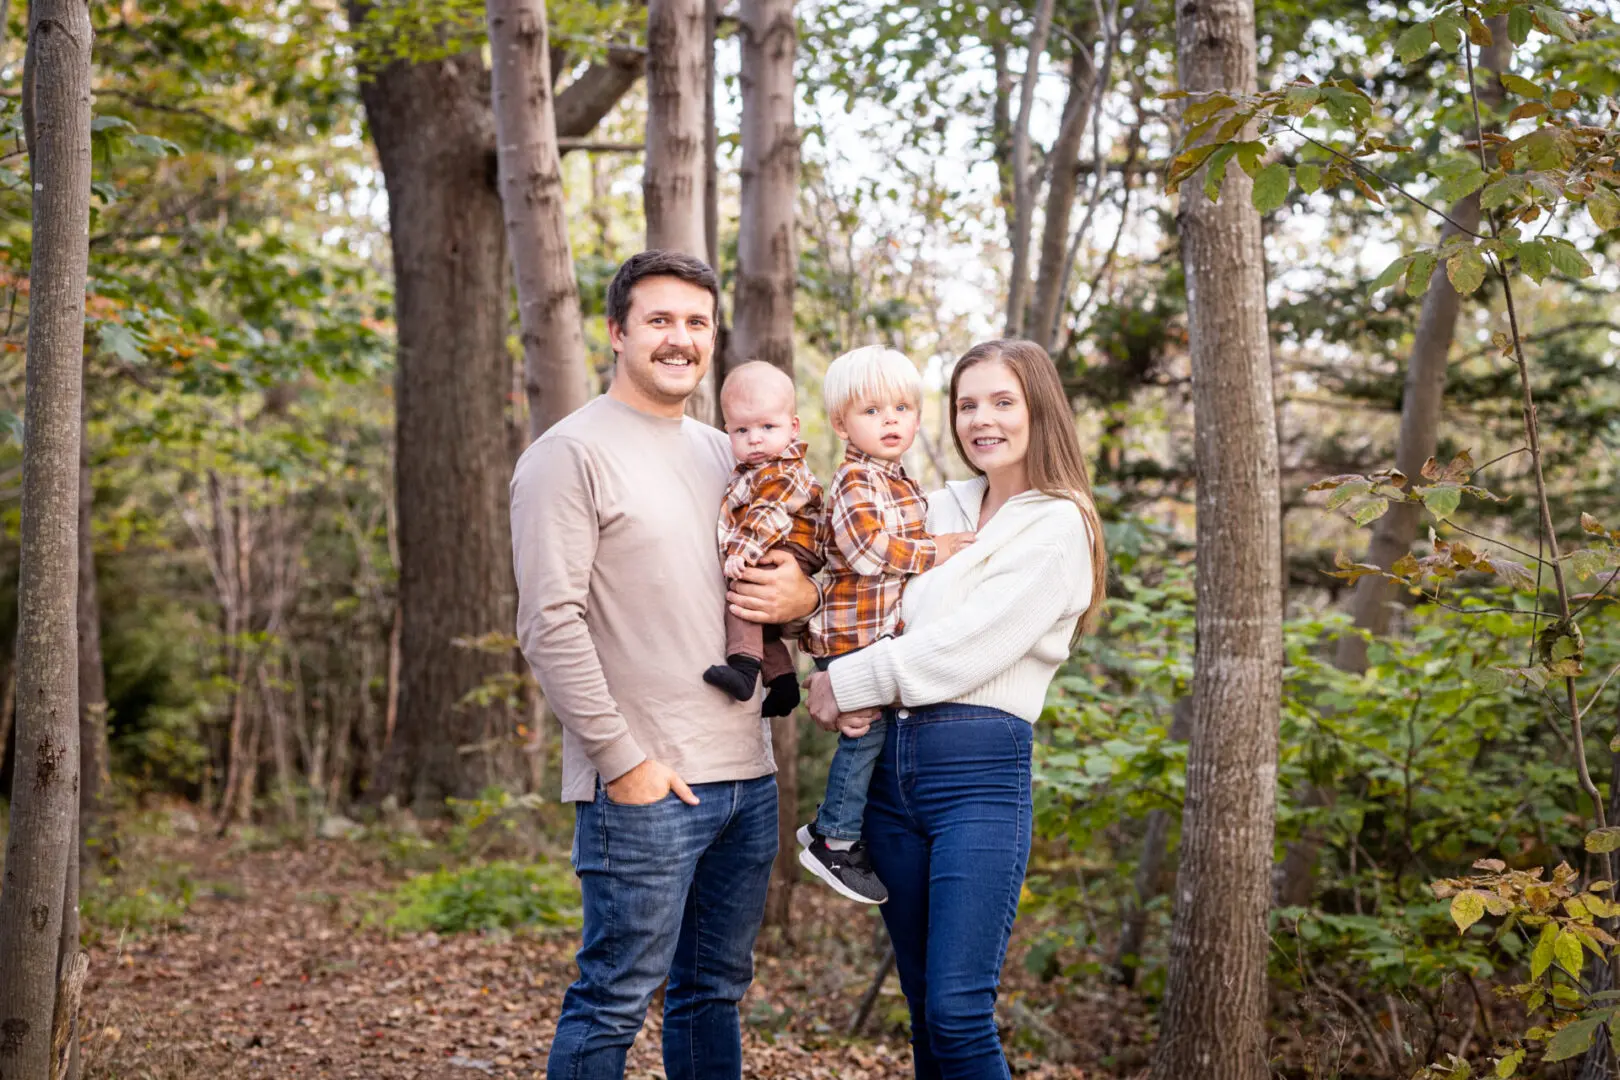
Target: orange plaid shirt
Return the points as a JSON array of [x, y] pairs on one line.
[[876, 521], [775, 502]]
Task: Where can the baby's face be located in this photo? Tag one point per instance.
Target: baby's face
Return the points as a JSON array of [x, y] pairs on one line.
[[759, 427]]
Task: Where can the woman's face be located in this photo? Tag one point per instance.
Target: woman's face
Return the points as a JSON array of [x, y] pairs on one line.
[[992, 417]]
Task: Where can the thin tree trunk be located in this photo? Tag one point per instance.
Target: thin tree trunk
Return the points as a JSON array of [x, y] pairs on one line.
[[45, 779], [766, 260], [672, 183], [1213, 1023], [1023, 177], [554, 368], [94, 778], [1064, 179], [434, 132], [779, 900], [1421, 402]]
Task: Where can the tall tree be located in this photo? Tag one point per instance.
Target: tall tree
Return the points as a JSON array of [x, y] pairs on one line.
[[766, 264], [554, 363], [1024, 181], [1422, 398], [1212, 1025], [45, 782], [93, 755], [433, 128], [672, 186]]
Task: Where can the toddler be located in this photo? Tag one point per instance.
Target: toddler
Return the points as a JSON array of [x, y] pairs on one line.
[[773, 502], [876, 540]]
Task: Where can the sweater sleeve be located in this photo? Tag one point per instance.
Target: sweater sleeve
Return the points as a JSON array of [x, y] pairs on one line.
[[1010, 610], [554, 538]]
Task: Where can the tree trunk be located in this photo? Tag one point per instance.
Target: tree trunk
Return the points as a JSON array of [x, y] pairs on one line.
[[1064, 172], [94, 778], [45, 780], [1214, 1014], [1023, 177], [766, 269], [554, 368], [766, 261], [674, 173], [433, 129], [1420, 403]]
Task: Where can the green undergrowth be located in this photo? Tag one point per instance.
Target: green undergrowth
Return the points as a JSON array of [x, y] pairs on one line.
[[489, 896]]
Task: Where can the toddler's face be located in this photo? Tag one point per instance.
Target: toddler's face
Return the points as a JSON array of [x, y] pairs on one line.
[[759, 429], [883, 429]]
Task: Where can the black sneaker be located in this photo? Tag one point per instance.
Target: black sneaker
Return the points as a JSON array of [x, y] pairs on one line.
[[848, 872]]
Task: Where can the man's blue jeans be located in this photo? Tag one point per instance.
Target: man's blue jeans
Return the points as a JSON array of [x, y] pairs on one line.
[[948, 826], [675, 890]]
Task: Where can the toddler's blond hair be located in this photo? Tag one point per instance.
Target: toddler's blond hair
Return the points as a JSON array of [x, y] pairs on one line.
[[870, 373]]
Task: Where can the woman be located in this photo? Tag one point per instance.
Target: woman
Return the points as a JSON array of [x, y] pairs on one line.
[[949, 815]]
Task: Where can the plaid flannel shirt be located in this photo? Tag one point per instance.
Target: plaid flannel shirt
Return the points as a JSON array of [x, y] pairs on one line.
[[775, 502], [876, 519]]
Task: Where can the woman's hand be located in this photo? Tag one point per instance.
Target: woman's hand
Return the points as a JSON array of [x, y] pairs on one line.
[[824, 710], [773, 591]]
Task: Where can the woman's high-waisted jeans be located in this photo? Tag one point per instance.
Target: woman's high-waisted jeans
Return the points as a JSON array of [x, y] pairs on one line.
[[948, 828]]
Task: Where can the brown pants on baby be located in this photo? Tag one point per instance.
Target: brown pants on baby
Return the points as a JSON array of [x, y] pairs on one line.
[[764, 642]]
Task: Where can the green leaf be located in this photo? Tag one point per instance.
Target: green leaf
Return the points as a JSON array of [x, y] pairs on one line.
[[1467, 908], [1309, 179], [117, 339], [1508, 1065], [1563, 99], [1519, 25], [107, 122], [1414, 42], [1601, 841], [1418, 274], [1520, 85], [1491, 679], [1500, 192], [1573, 1039], [1215, 174], [1603, 204], [1567, 951], [1449, 30], [1527, 110], [1566, 259], [1390, 274], [1466, 270], [1534, 260], [1541, 957], [1441, 500], [1465, 183], [1371, 511], [1556, 22], [154, 145], [1270, 187]]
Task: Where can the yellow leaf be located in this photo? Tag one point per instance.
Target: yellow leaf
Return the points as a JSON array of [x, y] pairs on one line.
[[1567, 951], [1467, 908]]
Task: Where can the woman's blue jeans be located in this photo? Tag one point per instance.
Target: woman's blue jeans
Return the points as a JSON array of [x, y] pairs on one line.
[[948, 826]]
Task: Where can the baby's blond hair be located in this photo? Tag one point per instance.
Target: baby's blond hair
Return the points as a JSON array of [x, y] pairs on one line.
[[870, 373]]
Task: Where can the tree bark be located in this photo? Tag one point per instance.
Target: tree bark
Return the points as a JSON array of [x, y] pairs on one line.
[[1215, 1007], [554, 367], [1421, 402], [766, 260], [94, 777], [586, 100], [45, 781], [1064, 179], [766, 269], [672, 183], [1023, 177], [435, 139]]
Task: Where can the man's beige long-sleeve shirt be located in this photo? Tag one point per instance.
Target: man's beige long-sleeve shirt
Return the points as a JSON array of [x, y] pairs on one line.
[[621, 603]]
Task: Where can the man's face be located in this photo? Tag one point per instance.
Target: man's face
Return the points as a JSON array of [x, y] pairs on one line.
[[666, 342]]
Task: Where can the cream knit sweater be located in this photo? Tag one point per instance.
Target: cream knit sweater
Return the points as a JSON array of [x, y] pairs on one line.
[[991, 625]]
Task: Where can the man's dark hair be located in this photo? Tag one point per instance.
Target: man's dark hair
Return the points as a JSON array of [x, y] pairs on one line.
[[646, 264]]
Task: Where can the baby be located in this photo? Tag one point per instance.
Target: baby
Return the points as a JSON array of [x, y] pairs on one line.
[[773, 502], [877, 540]]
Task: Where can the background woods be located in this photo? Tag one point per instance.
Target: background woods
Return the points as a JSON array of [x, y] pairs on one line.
[[1331, 286]]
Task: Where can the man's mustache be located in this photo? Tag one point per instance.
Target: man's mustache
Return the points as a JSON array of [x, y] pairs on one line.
[[669, 352]]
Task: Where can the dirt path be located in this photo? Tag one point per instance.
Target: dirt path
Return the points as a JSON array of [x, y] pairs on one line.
[[271, 976]]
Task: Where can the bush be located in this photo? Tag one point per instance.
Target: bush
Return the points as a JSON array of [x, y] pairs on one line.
[[491, 896]]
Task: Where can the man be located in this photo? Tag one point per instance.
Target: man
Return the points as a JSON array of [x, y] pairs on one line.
[[620, 603]]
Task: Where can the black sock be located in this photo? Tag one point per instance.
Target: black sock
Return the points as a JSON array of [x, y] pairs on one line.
[[783, 695], [737, 676]]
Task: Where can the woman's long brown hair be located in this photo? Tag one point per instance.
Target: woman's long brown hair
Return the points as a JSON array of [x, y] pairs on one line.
[[1055, 464]]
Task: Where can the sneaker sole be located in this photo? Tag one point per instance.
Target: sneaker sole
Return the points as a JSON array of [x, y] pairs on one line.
[[803, 836], [812, 864]]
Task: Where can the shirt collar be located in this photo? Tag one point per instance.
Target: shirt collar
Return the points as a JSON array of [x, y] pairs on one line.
[[853, 456]]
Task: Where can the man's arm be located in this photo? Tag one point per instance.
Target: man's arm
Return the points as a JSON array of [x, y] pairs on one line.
[[554, 540]]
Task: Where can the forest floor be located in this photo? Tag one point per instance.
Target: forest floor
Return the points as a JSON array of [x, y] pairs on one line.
[[273, 969]]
